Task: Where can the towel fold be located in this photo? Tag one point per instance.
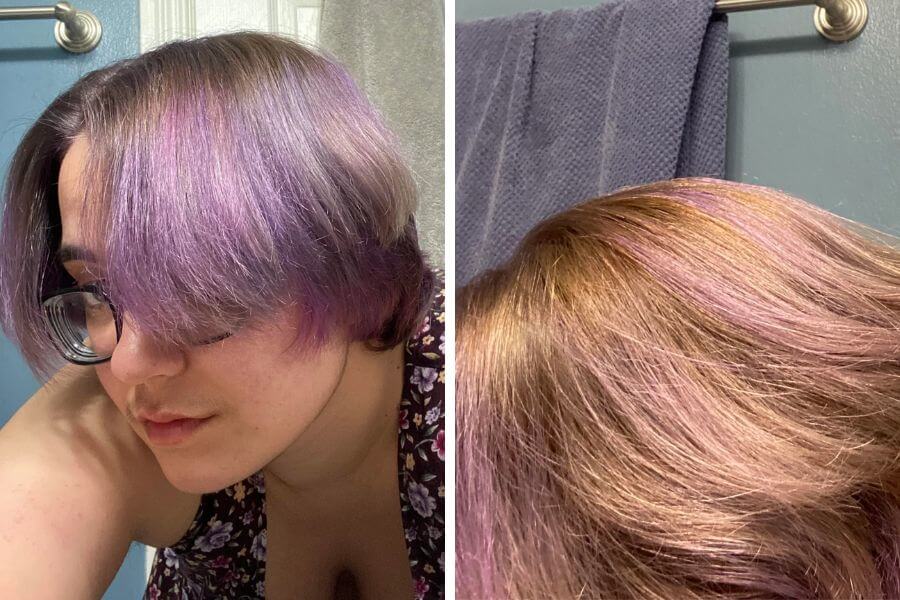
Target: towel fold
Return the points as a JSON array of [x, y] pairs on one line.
[[556, 108]]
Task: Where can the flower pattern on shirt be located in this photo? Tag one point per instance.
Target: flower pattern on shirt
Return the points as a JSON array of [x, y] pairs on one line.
[[223, 553]]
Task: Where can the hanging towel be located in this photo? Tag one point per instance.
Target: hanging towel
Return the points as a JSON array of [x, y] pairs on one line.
[[555, 108], [395, 51]]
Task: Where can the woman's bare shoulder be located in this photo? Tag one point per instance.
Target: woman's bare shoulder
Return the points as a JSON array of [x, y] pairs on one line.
[[71, 422]]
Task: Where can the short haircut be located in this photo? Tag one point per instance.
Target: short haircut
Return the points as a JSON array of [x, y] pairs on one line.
[[228, 176], [684, 389]]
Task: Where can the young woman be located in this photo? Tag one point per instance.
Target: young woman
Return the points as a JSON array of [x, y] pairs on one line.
[[685, 389], [220, 236]]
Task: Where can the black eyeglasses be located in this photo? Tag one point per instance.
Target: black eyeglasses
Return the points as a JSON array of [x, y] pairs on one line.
[[85, 325]]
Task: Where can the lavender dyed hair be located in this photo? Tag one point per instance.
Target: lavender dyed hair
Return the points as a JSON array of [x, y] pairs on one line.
[[227, 176], [686, 389]]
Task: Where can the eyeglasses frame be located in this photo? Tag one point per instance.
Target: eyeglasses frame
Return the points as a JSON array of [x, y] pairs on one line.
[[96, 288]]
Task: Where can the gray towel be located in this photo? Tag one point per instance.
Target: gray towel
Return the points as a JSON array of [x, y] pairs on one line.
[[395, 51], [555, 108]]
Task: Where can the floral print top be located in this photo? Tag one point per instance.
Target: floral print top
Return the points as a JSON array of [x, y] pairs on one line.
[[223, 553]]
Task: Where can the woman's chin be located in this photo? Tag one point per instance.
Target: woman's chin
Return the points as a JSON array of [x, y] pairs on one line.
[[196, 477]]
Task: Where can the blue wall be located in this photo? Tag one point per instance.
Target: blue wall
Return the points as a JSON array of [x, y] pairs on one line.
[[33, 71], [816, 119]]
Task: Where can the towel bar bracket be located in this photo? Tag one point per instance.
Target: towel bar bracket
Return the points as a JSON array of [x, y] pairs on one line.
[[841, 20], [835, 20], [77, 31]]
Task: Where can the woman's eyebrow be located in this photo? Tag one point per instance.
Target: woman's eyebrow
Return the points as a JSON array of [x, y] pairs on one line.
[[69, 252]]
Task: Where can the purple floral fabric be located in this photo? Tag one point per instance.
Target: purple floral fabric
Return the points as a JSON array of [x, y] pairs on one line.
[[223, 553], [421, 447]]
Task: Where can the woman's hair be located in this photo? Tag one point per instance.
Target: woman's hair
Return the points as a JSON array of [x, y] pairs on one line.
[[227, 176], [686, 389]]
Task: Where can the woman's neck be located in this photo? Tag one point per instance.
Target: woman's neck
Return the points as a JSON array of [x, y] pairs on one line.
[[347, 457]]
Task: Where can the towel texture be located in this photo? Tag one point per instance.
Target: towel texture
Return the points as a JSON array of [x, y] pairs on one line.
[[555, 108], [395, 51]]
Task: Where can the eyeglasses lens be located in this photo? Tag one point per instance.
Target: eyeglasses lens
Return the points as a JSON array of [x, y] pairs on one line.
[[83, 325]]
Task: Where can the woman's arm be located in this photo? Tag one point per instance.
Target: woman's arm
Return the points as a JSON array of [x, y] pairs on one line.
[[69, 491]]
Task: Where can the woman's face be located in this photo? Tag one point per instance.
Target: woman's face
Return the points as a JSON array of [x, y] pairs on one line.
[[260, 401]]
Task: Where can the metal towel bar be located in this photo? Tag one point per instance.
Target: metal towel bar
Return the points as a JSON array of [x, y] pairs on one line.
[[836, 20], [76, 30]]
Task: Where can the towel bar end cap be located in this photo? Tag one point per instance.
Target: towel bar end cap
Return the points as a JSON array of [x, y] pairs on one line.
[[845, 25], [82, 39]]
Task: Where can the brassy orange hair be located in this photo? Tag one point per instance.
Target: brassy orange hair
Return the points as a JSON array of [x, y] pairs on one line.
[[686, 389]]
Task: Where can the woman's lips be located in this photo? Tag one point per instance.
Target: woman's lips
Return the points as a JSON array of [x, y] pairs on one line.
[[173, 432]]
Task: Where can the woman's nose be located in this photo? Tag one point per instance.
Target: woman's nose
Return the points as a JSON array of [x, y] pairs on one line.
[[137, 358]]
